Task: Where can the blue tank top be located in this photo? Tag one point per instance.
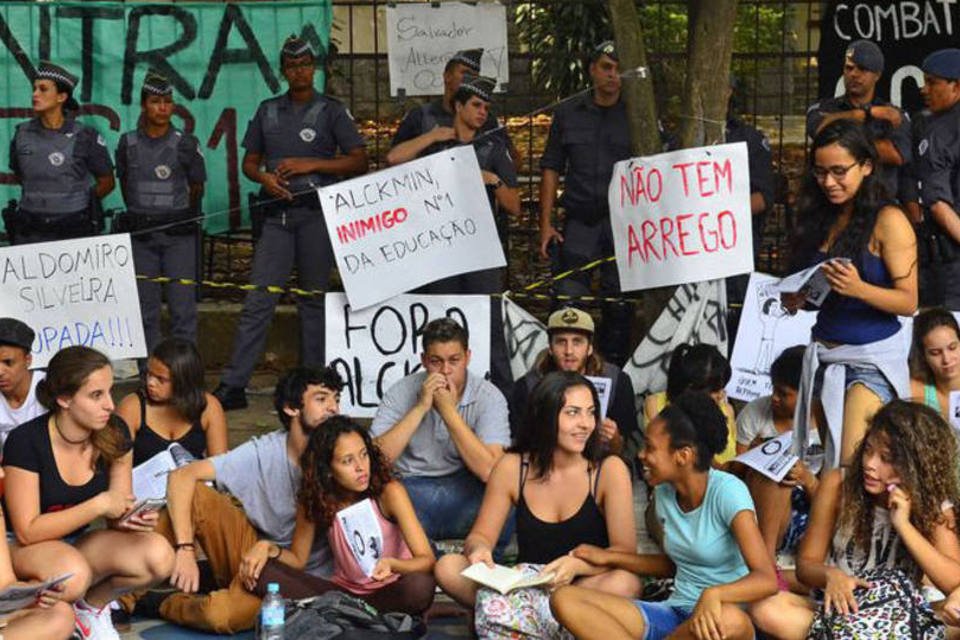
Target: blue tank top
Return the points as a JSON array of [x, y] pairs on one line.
[[850, 321]]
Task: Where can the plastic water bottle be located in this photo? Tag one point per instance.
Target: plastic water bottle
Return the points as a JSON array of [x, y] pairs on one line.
[[271, 614]]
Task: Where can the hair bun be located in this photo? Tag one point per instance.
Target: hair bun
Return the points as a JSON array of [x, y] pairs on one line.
[[44, 396], [711, 425]]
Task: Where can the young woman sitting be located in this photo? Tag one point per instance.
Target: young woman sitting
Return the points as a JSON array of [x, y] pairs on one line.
[[890, 512], [342, 467], [710, 538], [565, 495], [172, 406], [64, 470], [935, 359]]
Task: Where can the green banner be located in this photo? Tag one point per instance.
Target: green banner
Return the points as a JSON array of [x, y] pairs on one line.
[[222, 60]]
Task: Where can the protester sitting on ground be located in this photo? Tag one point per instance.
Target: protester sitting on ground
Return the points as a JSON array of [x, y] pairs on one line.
[[172, 406], [935, 359], [891, 510], [698, 367], [869, 255], [783, 509], [240, 530], [341, 468], [444, 429], [48, 618], [566, 493], [67, 468], [18, 384], [570, 332], [711, 541]]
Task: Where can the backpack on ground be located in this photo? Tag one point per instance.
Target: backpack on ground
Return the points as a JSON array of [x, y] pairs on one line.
[[336, 614]]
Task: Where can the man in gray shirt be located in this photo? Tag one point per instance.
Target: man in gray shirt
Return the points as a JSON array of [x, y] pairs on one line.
[[444, 429], [263, 476]]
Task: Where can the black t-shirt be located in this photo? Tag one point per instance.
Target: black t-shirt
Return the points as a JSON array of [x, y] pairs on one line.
[[28, 447]]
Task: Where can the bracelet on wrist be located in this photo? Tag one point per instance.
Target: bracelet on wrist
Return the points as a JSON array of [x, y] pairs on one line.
[[270, 553], [184, 545]]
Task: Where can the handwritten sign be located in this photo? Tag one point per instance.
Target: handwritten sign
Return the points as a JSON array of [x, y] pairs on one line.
[[422, 37], [680, 216], [74, 292], [398, 229], [526, 337], [765, 330], [374, 347]]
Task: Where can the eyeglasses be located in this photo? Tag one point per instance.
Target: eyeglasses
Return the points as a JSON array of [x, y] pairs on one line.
[[839, 172]]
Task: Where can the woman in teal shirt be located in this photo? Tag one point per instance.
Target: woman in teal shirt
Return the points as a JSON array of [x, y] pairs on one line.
[[935, 359]]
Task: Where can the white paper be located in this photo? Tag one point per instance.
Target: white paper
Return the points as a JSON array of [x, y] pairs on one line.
[[375, 347], [421, 38], [397, 229], [18, 597], [955, 409], [150, 476], [362, 531], [811, 282], [682, 216], [772, 458], [602, 385], [74, 292]]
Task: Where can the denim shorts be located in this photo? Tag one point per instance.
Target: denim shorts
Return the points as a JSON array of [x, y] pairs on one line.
[[661, 619], [870, 377]]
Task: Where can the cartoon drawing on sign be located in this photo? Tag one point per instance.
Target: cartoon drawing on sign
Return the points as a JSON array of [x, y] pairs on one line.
[[770, 313]]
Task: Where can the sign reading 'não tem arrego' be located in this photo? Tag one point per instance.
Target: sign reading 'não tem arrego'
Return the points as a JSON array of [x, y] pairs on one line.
[[74, 292], [403, 227], [682, 216]]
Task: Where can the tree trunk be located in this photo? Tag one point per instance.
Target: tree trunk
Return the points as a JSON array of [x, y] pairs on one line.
[[709, 52], [637, 88]]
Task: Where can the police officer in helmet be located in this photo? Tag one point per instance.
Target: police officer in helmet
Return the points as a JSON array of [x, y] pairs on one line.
[[63, 166], [295, 143], [161, 172]]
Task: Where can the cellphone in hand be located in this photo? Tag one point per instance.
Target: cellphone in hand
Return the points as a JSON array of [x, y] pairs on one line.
[[144, 506]]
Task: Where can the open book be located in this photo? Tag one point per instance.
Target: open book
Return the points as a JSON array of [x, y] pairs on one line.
[[150, 477], [811, 282], [16, 597], [503, 579]]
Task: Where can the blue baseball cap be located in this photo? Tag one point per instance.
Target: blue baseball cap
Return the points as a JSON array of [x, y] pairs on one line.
[[944, 63]]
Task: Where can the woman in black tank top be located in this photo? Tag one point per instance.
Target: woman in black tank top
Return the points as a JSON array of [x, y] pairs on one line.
[[565, 495], [172, 406]]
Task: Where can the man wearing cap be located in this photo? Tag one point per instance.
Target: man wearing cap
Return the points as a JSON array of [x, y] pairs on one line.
[[18, 384], [295, 143], [54, 158], [938, 171], [570, 334], [161, 172], [587, 137], [888, 126], [471, 104], [440, 113]]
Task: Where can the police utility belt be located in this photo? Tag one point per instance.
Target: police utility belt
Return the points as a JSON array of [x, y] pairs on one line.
[[81, 222], [176, 223], [272, 206], [934, 244]]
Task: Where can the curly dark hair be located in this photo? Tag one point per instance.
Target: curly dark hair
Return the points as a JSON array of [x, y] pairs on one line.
[[693, 419], [697, 367], [816, 214], [923, 448], [320, 495]]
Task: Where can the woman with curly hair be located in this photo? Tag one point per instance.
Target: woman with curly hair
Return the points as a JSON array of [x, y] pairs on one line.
[[888, 517], [935, 359], [868, 252], [343, 468]]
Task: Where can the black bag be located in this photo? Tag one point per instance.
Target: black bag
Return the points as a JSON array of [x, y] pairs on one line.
[[934, 246], [336, 614], [892, 608]]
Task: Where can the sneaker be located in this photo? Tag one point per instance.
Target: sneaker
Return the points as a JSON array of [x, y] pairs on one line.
[[92, 623], [231, 397]]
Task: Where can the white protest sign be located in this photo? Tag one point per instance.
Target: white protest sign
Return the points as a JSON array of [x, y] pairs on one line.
[[525, 337], [765, 330], [680, 216], [422, 37], [955, 409], [74, 292], [603, 386], [403, 227], [375, 347], [772, 458], [363, 533]]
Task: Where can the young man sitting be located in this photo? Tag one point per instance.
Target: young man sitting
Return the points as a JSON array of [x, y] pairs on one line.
[[18, 385]]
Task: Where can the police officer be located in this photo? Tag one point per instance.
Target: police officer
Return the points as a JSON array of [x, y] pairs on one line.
[[295, 143], [471, 104], [938, 170], [587, 137], [53, 157], [161, 172], [888, 125]]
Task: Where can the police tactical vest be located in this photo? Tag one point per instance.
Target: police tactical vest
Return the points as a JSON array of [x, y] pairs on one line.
[[296, 140], [155, 181], [53, 179]]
